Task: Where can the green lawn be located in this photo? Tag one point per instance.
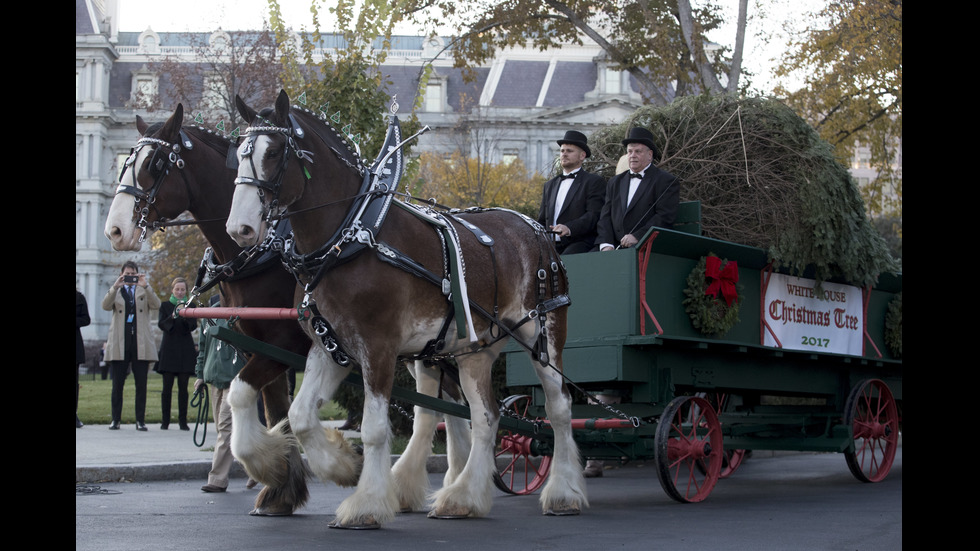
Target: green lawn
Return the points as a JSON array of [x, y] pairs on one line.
[[94, 406], [94, 401]]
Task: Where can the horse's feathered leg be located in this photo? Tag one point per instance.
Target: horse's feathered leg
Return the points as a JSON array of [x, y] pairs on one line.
[[471, 494], [457, 447], [564, 492], [293, 492], [411, 479], [328, 453], [375, 501], [410, 475], [265, 455]]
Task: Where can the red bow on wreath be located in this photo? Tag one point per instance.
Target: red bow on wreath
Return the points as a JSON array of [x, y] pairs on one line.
[[723, 280]]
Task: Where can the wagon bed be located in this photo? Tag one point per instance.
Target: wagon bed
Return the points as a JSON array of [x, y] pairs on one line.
[[629, 334]]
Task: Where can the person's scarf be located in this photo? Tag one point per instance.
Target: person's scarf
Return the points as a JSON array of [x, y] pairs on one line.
[[177, 301]]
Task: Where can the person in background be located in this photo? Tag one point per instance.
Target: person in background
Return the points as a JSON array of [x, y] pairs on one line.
[[178, 354], [130, 345], [572, 201], [638, 199], [81, 320], [217, 365]]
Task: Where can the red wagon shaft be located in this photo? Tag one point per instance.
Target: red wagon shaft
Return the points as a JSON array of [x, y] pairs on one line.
[[254, 313]]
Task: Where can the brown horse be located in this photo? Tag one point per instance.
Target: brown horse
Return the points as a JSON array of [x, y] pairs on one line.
[[158, 185], [175, 169], [385, 280]]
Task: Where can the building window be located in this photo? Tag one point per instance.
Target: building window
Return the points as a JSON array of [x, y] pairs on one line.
[[508, 156], [862, 158], [433, 97], [149, 42], [144, 92], [214, 94], [614, 79]]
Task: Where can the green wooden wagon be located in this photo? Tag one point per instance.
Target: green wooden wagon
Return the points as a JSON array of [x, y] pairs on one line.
[[695, 402]]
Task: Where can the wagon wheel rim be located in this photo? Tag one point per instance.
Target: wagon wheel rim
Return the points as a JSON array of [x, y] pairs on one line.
[[524, 472], [732, 459], [686, 444], [872, 414]]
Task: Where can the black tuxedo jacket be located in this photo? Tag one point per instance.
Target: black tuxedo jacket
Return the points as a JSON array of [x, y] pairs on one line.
[[654, 204], [580, 211]]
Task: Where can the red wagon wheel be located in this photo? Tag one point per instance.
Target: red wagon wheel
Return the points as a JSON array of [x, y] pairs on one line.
[[524, 472], [873, 416], [732, 458], [689, 449]]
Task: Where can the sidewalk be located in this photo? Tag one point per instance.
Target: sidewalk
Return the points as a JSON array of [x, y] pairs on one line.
[[103, 455]]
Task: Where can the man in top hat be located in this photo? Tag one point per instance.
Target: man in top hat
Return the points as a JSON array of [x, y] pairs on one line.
[[572, 201], [637, 199]]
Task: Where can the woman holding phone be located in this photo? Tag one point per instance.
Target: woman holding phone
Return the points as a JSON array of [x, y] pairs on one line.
[[130, 345]]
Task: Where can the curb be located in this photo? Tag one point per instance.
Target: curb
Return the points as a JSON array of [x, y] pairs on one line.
[[186, 470]]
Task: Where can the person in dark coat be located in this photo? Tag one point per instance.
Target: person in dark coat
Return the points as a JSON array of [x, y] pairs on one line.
[[81, 320], [178, 354], [637, 199], [572, 201]]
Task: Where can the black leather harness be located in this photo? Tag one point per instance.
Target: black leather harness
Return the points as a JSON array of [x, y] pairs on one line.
[[363, 223]]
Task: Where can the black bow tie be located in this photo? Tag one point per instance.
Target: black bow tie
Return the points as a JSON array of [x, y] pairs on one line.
[[635, 175], [572, 175]]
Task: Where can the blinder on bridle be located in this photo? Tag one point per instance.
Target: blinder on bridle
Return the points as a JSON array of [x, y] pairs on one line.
[[163, 157], [273, 186]]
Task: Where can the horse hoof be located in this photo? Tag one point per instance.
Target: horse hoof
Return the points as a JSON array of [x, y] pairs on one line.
[[260, 512], [367, 523], [445, 516], [569, 512]]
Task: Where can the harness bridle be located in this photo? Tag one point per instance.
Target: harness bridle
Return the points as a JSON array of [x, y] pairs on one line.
[[163, 157], [271, 210]]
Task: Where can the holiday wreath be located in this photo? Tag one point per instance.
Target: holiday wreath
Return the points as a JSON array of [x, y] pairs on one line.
[[713, 295], [893, 326]]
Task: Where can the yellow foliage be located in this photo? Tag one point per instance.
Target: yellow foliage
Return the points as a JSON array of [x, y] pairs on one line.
[[461, 182]]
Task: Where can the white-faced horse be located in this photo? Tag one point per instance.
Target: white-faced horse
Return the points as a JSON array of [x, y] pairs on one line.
[[385, 280], [176, 169]]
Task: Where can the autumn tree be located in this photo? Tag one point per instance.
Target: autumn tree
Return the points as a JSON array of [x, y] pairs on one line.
[[176, 252], [345, 83], [220, 66], [471, 173], [849, 64], [661, 43]]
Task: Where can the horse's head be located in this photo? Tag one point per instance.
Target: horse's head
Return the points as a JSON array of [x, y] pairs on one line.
[[269, 178], [139, 203]]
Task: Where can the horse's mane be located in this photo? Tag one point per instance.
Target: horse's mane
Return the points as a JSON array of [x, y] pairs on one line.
[[334, 139], [210, 138]]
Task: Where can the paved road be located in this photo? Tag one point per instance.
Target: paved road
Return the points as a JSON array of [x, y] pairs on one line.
[[803, 501]]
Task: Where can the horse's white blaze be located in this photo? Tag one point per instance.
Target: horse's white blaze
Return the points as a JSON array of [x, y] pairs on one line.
[[120, 228], [245, 224]]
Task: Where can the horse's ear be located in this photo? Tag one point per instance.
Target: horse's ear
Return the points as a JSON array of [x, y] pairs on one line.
[[245, 111], [141, 125], [172, 127], [282, 105]]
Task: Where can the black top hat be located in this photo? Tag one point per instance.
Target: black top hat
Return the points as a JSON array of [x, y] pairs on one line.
[[576, 138], [642, 135]]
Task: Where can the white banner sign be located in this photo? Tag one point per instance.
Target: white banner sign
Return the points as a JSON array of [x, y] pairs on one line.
[[798, 318]]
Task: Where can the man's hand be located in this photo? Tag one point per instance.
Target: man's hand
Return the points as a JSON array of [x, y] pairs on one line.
[[561, 229]]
